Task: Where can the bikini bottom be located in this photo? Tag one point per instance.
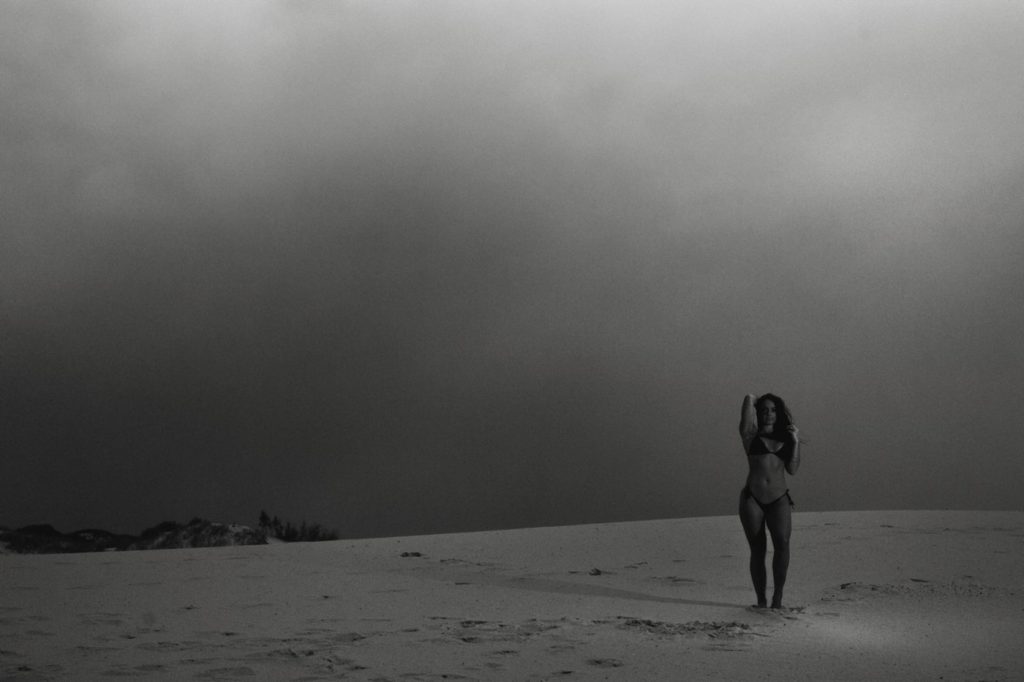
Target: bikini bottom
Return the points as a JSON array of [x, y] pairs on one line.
[[764, 506]]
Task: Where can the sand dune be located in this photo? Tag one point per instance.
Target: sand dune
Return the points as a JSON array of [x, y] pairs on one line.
[[874, 595]]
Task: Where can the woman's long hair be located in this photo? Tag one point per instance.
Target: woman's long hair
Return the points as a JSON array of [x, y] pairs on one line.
[[783, 418]]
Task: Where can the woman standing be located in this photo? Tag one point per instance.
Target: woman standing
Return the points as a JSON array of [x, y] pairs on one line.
[[772, 444]]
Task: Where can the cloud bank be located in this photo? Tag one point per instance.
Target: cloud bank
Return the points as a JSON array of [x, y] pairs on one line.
[[421, 267]]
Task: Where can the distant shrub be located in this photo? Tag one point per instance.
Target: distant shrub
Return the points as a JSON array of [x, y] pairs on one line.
[[45, 539], [99, 540], [42, 538], [198, 532], [288, 532], [159, 529]]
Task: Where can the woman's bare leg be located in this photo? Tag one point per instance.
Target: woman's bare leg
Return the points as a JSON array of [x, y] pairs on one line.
[[753, 520], [779, 518]]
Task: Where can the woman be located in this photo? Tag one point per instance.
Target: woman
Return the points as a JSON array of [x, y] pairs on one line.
[[772, 444]]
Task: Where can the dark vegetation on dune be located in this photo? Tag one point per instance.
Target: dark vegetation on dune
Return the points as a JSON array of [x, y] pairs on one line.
[[286, 531], [45, 539]]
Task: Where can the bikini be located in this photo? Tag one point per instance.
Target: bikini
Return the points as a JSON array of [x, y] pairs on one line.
[[756, 444]]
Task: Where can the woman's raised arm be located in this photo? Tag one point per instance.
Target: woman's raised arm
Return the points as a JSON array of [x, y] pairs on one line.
[[748, 420]]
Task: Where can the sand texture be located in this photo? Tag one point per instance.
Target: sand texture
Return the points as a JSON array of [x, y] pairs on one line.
[[874, 596]]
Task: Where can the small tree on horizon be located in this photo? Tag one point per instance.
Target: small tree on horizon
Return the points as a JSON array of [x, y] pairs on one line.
[[288, 532]]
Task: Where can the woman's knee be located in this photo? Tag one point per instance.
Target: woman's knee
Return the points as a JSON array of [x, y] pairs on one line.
[[758, 543]]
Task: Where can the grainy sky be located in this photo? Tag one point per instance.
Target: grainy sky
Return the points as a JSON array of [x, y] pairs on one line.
[[413, 267]]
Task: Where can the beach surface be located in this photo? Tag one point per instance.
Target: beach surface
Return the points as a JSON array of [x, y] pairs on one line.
[[908, 595]]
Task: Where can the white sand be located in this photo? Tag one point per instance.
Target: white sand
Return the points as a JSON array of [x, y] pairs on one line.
[[877, 596]]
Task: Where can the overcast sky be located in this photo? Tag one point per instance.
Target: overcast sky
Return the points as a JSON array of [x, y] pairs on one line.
[[414, 267]]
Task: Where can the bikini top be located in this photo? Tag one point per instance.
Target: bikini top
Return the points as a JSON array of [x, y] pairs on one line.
[[757, 447]]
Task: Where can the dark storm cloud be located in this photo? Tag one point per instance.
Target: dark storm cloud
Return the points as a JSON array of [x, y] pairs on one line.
[[438, 266]]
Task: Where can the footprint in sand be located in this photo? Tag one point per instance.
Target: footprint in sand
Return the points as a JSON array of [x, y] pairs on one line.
[[605, 662], [714, 629], [100, 619], [858, 591], [348, 664], [227, 673], [960, 586], [164, 646], [126, 671], [46, 670], [559, 648], [674, 580]]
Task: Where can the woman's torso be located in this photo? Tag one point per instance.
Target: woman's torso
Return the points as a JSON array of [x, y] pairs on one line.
[[766, 480]]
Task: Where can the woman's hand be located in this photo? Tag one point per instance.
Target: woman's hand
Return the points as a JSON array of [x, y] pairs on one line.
[[794, 433]]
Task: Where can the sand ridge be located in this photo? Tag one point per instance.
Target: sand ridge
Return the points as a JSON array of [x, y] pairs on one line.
[[874, 595]]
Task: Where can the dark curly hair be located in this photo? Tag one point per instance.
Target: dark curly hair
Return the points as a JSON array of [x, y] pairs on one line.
[[783, 417]]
